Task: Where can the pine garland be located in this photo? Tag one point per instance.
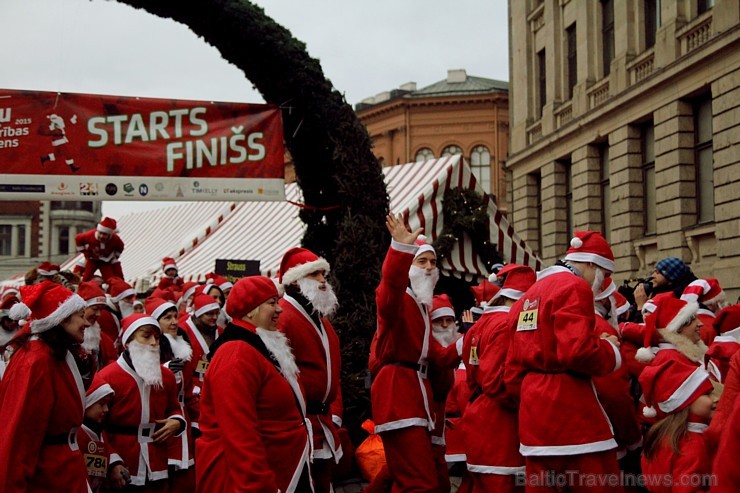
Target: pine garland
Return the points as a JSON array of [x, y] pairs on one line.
[[334, 165]]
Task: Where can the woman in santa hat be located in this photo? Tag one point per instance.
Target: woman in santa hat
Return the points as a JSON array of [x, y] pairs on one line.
[[682, 396], [144, 412], [253, 415], [42, 398], [176, 353]]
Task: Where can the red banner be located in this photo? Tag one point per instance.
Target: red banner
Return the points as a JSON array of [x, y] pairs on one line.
[[46, 137]]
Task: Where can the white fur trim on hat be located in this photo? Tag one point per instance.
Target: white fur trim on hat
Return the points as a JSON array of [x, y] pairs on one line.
[[684, 391], [137, 325], [302, 270], [168, 266], [157, 312], [445, 311], [44, 272], [426, 247], [512, 294], [207, 308], [123, 294], [103, 229], [98, 300], [606, 293], [683, 316], [71, 305], [98, 394], [602, 262], [645, 355], [226, 285], [621, 310]]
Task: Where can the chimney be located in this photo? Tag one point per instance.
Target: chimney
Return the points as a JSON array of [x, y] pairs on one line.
[[409, 86], [456, 76]]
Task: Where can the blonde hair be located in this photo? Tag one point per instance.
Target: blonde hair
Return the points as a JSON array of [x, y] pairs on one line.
[[673, 428]]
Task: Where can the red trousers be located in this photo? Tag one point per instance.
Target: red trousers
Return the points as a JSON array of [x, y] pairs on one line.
[[443, 474], [106, 270], [485, 483], [408, 453], [182, 481], [596, 472]]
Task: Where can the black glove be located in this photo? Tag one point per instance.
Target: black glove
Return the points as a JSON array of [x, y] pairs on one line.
[[176, 365]]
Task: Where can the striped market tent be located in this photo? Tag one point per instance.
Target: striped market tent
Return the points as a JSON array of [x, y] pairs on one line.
[[196, 234]]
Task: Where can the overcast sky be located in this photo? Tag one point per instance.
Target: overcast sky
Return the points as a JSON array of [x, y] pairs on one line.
[[365, 47]]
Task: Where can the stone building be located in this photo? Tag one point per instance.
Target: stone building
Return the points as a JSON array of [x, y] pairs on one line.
[[461, 114], [625, 118]]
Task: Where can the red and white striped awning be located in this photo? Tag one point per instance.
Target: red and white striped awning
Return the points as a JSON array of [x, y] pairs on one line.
[[196, 234]]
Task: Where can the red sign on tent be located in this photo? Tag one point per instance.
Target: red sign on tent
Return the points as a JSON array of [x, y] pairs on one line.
[[65, 146]]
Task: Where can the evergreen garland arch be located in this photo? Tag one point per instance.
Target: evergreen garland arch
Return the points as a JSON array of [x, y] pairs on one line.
[[341, 179]]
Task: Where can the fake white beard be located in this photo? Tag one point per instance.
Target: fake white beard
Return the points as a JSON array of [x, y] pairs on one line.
[[423, 282], [325, 302], [180, 347], [444, 336], [145, 359], [92, 338], [276, 342], [126, 308], [599, 277]]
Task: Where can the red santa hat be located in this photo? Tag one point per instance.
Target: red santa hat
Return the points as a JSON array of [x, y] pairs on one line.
[[672, 386], [165, 294], [705, 291], [203, 303], [9, 301], [99, 388], [220, 281], [47, 269], [590, 246], [442, 307], [188, 290], [119, 289], [607, 289], [134, 322], [92, 293], [9, 291], [107, 225], [168, 263], [484, 291], [620, 303], [670, 315], [297, 263], [421, 242], [249, 293], [206, 289], [157, 306], [46, 305], [517, 280], [728, 321]]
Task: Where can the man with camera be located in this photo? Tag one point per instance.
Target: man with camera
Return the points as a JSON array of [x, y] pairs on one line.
[[670, 275]]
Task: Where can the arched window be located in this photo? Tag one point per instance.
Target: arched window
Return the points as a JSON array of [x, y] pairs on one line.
[[424, 154], [451, 151], [480, 164]]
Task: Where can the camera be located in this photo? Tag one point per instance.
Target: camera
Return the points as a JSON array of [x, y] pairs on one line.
[[647, 284]]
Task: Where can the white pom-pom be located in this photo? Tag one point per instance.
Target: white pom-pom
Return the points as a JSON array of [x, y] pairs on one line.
[[105, 287], [649, 412], [644, 355], [19, 311], [422, 238], [576, 242], [492, 278]]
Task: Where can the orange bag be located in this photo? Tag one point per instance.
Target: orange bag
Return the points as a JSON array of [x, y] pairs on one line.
[[370, 454]]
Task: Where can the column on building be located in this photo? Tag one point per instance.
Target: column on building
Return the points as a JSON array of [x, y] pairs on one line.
[[525, 215], [586, 169], [625, 165], [555, 234]]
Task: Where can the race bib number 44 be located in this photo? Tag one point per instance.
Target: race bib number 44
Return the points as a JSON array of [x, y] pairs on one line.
[[528, 316]]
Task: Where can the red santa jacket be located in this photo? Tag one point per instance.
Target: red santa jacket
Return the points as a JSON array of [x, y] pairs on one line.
[[470, 356], [720, 353], [42, 403], [727, 474], [403, 348], [316, 351], [134, 409], [725, 407], [96, 455], [254, 436], [457, 402], [95, 250], [688, 471], [493, 449], [110, 326], [198, 363], [553, 355]]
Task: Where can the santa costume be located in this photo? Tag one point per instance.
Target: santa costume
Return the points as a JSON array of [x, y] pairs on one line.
[[711, 299], [92, 443], [171, 282], [316, 350], [97, 343], [256, 436], [198, 363], [726, 344], [101, 254], [42, 401]]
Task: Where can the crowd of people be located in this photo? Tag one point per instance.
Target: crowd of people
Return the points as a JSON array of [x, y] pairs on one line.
[[554, 381]]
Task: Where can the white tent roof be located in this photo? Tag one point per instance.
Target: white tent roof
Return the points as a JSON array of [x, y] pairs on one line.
[[196, 234]]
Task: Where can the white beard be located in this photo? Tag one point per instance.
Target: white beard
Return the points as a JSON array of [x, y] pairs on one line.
[[126, 308], [276, 342], [180, 347], [325, 302], [145, 359], [599, 277], [444, 336], [92, 338], [423, 282]]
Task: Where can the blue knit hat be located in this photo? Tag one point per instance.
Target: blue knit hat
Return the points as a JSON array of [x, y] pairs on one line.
[[672, 268]]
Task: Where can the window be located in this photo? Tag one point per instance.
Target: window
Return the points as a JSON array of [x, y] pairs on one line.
[[648, 177], [72, 206], [607, 34], [606, 197], [21, 240], [480, 163], [424, 154], [63, 242], [6, 232], [704, 160], [542, 83], [570, 36], [705, 5], [451, 151], [652, 20]]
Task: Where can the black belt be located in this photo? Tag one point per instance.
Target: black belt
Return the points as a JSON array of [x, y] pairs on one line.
[[62, 438], [421, 368], [476, 393], [146, 431], [453, 415], [317, 407]]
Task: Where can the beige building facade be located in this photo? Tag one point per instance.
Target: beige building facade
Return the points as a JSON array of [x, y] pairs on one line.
[[625, 118]]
